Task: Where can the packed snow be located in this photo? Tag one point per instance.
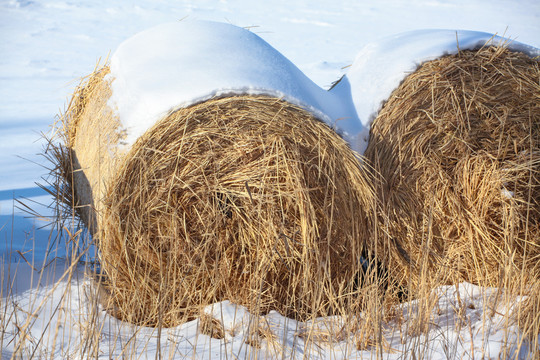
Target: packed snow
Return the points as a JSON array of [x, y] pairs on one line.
[[307, 45]]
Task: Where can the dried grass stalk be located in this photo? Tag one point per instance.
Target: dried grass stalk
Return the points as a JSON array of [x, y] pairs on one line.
[[211, 327], [246, 198], [457, 148]]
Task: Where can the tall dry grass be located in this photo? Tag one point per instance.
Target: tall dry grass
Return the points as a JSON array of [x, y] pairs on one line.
[[70, 321]]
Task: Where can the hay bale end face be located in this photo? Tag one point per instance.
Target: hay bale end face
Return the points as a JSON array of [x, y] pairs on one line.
[[457, 148], [247, 198]]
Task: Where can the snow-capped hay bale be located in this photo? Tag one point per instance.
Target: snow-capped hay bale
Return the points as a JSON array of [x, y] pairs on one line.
[[247, 198], [457, 147]]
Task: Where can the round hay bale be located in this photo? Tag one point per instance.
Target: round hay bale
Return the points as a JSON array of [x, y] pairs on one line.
[[247, 198], [457, 149]]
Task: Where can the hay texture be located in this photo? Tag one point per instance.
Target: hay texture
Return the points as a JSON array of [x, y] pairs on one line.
[[247, 198], [457, 151], [91, 133]]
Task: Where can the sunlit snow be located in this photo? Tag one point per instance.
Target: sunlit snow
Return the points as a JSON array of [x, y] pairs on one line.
[[294, 50]]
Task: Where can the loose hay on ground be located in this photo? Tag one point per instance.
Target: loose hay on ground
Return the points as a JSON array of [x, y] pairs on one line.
[[457, 150], [246, 198]]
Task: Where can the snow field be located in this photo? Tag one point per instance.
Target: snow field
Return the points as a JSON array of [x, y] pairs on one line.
[[47, 45]]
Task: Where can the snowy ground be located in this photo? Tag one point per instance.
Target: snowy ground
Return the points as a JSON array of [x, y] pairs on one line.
[[458, 328], [46, 46]]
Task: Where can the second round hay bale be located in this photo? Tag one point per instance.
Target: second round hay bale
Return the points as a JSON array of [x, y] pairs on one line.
[[457, 147], [247, 198]]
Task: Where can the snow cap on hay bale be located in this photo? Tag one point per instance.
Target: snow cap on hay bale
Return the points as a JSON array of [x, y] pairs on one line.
[[457, 147], [200, 60], [381, 66], [236, 195]]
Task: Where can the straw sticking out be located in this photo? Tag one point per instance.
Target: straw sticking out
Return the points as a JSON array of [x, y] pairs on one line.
[[457, 147]]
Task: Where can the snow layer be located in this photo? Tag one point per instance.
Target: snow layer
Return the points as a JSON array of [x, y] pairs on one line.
[[380, 66], [178, 64]]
